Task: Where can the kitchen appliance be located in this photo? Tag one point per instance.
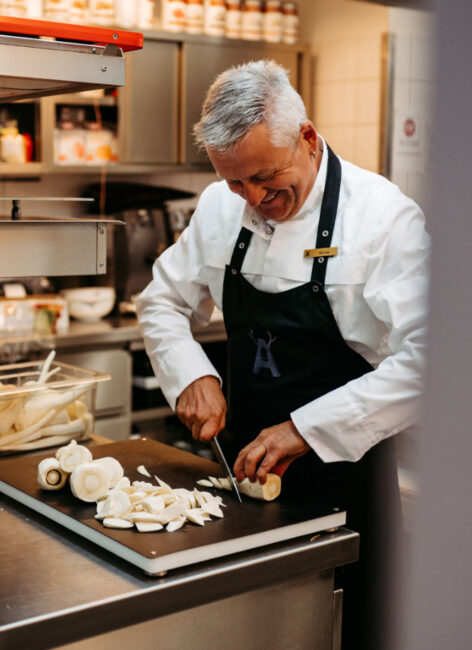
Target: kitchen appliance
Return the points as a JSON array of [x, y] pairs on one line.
[[148, 231]]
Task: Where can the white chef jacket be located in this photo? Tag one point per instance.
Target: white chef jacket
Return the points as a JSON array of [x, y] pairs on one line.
[[376, 285]]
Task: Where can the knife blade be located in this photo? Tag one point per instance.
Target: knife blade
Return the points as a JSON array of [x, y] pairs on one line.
[[215, 445]]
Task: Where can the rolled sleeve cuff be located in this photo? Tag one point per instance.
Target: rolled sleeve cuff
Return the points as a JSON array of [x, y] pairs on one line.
[[335, 432], [181, 366]]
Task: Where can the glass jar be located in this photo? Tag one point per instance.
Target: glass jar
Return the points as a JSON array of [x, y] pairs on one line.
[[78, 10], [145, 14], [102, 12], [16, 8], [194, 17], [126, 13], [215, 17], [272, 21], [57, 10], [289, 23], [233, 19], [251, 20], [98, 145], [173, 15]]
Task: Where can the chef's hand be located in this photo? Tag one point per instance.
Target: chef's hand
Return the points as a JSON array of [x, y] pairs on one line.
[[202, 408], [272, 451]]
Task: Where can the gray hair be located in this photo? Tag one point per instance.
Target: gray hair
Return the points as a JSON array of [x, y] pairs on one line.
[[247, 95]]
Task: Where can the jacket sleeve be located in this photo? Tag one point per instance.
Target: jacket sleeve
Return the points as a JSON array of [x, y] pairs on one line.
[[175, 299], [345, 423]]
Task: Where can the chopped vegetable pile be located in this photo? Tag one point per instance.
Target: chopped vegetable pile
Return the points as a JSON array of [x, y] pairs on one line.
[[144, 505]]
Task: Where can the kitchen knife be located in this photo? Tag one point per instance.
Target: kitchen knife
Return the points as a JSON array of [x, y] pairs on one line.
[[215, 445]]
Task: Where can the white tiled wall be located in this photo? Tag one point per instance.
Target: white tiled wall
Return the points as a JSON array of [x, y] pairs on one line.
[[345, 40]]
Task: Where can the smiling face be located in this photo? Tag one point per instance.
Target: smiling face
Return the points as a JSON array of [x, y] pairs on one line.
[[274, 180]]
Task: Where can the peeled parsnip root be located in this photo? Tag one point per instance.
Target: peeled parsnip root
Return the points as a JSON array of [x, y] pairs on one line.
[[89, 482], [50, 474], [113, 468], [73, 455], [267, 492]]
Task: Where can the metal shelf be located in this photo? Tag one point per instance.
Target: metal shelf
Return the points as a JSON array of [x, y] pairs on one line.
[[52, 247]]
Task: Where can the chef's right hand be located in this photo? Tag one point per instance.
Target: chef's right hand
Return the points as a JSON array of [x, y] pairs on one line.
[[202, 408]]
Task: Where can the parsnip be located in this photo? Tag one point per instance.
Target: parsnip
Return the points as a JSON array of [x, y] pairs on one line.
[[50, 474], [267, 492], [73, 455], [89, 481], [27, 433], [113, 469]]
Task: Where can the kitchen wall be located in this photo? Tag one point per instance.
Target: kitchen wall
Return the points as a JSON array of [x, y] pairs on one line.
[[413, 102], [345, 40]]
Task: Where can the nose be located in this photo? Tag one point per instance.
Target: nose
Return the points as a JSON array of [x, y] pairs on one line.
[[253, 193]]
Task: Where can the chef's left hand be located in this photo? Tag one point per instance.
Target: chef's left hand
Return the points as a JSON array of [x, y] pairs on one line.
[[272, 451]]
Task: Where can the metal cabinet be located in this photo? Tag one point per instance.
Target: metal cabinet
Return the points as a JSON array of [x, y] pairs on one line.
[[148, 107], [203, 62]]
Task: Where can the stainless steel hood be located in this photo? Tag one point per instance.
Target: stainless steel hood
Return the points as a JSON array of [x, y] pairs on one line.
[[39, 58]]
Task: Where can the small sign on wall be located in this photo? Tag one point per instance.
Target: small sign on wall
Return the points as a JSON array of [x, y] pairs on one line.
[[409, 144]]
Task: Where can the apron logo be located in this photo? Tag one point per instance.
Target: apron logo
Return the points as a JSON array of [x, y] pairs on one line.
[[264, 358]]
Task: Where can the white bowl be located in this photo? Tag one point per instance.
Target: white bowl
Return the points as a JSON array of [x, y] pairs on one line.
[[89, 304]]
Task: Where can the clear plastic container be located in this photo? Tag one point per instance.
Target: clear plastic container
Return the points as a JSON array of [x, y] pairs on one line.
[[41, 411]]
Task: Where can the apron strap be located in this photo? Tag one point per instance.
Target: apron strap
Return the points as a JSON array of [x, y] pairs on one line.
[[240, 248], [329, 208]]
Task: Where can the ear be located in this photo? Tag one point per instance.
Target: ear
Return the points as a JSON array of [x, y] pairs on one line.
[[308, 134]]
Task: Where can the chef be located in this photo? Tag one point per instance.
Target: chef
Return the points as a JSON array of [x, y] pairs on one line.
[[320, 269]]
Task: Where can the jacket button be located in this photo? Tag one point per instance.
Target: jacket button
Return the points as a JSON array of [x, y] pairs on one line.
[[316, 288], [233, 271]]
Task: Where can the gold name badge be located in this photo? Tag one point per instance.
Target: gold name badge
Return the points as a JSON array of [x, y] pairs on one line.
[[320, 252]]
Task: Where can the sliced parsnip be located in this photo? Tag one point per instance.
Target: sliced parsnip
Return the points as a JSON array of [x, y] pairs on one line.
[[113, 469], [267, 492], [72, 455], [50, 474], [147, 526], [89, 481], [142, 470], [116, 522], [204, 483]]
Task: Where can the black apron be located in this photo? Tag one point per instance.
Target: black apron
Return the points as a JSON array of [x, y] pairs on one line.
[[285, 350]]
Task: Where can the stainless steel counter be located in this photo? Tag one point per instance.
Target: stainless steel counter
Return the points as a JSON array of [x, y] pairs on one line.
[[56, 588], [113, 332], [120, 331]]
